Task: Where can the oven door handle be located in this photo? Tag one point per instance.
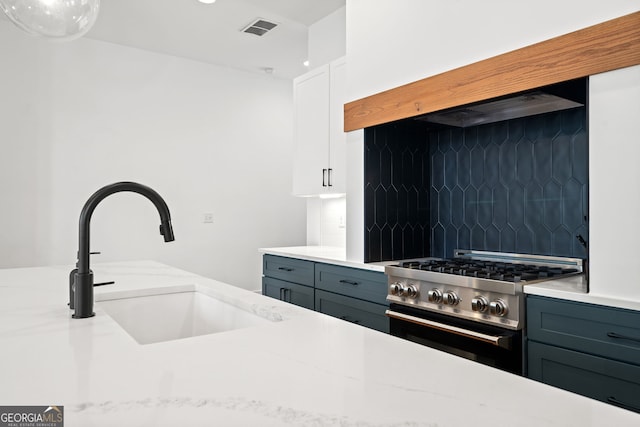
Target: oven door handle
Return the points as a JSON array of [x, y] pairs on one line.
[[499, 341]]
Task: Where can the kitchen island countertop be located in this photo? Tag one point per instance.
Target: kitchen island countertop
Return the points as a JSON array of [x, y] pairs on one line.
[[299, 369]]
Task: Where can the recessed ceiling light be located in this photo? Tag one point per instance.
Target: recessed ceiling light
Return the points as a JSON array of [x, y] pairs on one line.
[[306, 63], [207, 1]]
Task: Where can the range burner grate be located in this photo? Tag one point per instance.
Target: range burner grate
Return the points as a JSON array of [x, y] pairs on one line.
[[504, 271]]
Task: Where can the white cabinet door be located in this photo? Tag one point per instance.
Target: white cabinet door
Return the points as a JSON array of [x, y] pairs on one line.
[[311, 132], [319, 138]]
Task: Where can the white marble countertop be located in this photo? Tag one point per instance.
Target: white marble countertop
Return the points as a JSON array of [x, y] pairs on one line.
[[575, 289], [301, 369]]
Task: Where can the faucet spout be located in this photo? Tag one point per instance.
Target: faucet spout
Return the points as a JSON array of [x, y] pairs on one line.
[[82, 287]]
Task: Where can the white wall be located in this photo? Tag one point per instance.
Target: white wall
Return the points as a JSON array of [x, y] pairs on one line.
[[355, 196], [327, 38], [394, 42], [614, 180], [80, 115], [327, 221]]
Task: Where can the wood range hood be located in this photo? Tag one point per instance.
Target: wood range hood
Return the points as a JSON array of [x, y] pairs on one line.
[[603, 47]]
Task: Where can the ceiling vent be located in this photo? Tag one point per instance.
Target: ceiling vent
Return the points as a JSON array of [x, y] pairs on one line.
[[259, 27]]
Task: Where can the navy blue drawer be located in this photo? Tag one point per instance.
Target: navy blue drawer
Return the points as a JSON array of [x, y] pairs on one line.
[[288, 292], [363, 284], [602, 379], [289, 269], [603, 331], [352, 310]]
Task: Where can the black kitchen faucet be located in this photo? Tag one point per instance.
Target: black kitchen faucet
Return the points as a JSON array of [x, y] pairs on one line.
[[81, 278]]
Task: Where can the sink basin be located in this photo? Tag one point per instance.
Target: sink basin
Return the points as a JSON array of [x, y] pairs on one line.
[[171, 315]]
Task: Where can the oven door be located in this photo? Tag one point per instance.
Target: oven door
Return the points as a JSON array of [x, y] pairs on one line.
[[489, 345]]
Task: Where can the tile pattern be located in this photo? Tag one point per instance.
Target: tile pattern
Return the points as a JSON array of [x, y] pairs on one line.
[[396, 191], [513, 186]]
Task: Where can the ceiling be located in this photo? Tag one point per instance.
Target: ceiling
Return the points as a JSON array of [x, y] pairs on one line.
[[212, 33]]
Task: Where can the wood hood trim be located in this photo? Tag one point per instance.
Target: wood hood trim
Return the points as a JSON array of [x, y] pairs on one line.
[[602, 47]]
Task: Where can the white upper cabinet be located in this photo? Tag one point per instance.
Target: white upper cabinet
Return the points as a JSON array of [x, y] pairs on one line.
[[338, 138], [319, 139]]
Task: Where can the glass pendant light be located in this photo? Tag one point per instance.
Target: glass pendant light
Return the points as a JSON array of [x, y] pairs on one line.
[[54, 19]]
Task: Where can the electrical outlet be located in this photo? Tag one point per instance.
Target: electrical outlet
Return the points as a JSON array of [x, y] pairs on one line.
[[207, 218]]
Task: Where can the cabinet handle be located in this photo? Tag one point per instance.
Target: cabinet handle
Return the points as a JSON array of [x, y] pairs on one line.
[[329, 179], [324, 177], [349, 282], [616, 402], [285, 268], [283, 295], [622, 337]]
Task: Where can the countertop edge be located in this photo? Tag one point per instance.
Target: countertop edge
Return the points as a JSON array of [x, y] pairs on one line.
[[575, 291], [324, 254]]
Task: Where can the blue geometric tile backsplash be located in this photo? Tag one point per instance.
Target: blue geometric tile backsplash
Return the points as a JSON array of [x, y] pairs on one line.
[[397, 191], [514, 186]]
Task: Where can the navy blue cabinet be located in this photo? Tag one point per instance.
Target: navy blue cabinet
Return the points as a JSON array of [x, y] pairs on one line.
[[351, 294], [587, 349], [352, 310], [362, 284], [289, 280], [288, 269], [355, 295], [289, 292]]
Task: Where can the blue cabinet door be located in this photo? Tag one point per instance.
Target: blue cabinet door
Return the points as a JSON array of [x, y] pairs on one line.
[[362, 284], [588, 349], [289, 292], [607, 380], [610, 332], [288, 269], [352, 310]]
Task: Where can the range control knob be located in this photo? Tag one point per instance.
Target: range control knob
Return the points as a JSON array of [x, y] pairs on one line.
[[410, 291], [450, 298], [498, 308], [480, 304], [395, 288], [435, 296]]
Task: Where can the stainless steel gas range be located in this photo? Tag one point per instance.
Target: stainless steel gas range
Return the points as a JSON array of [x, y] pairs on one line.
[[471, 305]]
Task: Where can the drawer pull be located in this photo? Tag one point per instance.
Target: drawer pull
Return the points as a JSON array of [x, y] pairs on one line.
[[285, 294], [622, 337], [349, 282], [285, 268], [616, 402]]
